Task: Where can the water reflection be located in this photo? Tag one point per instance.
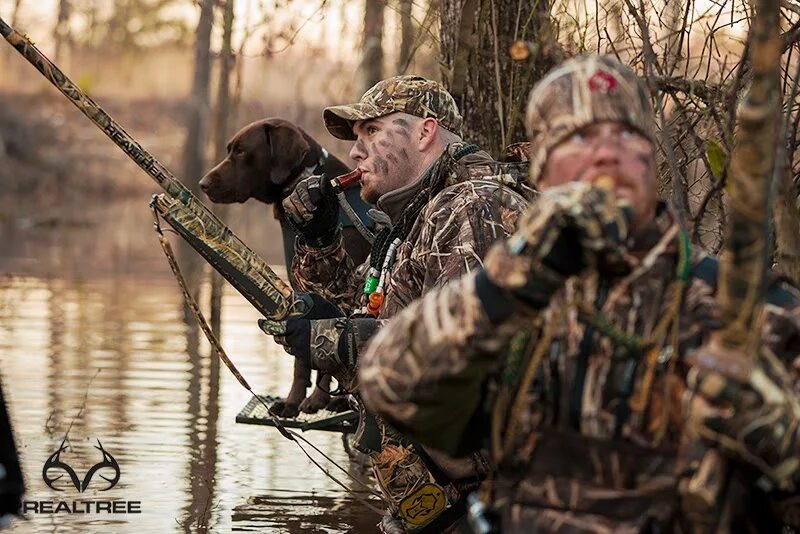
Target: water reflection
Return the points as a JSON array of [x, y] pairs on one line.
[[107, 356]]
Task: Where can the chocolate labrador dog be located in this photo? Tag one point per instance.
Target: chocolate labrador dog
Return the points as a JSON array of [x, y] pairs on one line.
[[266, 159]]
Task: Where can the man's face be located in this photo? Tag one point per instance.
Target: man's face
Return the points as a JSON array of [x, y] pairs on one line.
[[387, 150], [607, 149]]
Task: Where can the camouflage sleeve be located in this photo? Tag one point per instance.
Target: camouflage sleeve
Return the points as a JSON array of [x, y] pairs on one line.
[[782, 330], [424, 371], [763, 426], [328, 271]]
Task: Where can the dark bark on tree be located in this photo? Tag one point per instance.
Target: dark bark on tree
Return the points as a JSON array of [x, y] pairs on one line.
[[197, 120], [491, 88], [372, 58], [221, 134], [406, 35]]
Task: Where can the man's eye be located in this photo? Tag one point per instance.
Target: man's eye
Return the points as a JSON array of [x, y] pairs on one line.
[[577, 137], [629, 133], [371, 129]]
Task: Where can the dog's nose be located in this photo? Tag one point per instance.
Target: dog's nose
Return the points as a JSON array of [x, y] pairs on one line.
[[205, 183]]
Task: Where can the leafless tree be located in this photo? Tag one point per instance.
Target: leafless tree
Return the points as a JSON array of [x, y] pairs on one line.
[[490, 87], [197, 126], [221, 134], [372, 48], [406, 34]]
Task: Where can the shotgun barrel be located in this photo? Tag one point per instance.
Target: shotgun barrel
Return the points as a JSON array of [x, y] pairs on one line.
[[193, 221]]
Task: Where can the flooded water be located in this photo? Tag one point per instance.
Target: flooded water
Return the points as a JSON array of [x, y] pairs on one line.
[[93, 346]]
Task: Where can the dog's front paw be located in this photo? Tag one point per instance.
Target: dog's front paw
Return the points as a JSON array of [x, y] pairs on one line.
[[338, 404], [315, 402], [282, 408]]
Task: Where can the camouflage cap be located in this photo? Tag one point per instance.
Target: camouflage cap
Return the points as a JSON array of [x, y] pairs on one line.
[[581, 91], [411, 94]]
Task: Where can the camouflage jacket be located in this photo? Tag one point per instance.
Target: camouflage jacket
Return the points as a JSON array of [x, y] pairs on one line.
[[590, 444], [479, 204]]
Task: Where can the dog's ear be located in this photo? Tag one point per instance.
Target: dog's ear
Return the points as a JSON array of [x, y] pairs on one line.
[[286, 149]]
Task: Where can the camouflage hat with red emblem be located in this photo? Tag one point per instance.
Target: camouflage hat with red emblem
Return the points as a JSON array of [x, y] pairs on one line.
[[410, 94], [581, 91]]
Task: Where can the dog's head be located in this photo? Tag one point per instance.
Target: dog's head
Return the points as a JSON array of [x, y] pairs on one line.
[[262, 157]]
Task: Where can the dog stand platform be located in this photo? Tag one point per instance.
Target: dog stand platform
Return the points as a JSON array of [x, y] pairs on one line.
[[254, 413]]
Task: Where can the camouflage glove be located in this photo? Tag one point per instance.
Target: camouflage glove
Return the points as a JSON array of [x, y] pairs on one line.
[[748, 410], [313, 211], [317, 342], [327, 345], [567, 230]]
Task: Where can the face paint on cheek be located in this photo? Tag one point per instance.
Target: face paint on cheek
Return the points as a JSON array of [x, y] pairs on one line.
[[391, 157], [404, 154], [402, 132], [401, 127], [381, 166]]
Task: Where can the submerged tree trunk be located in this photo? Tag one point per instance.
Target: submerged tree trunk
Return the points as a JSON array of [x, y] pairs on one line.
[[491, 88], [372, 59], [196, 134], [221, 134]]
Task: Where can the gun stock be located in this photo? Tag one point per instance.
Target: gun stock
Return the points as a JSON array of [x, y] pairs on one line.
[[182, 210]]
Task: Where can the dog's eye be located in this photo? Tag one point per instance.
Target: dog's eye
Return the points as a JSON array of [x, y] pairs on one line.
[[238, 151]]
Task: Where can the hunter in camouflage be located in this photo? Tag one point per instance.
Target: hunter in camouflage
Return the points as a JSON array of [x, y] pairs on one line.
[[569, 354], [440, 204]]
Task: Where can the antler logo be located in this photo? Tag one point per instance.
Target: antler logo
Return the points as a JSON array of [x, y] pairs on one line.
[[54, 463]]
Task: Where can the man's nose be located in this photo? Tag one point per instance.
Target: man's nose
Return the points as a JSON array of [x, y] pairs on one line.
[[357, 153], [607, 151]]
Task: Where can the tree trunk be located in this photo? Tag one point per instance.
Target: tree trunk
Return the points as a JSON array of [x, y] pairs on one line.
[[406, 35], [15, 13], [196, 135], [61, 30], [492, 89], [372, 59], [221, 134]]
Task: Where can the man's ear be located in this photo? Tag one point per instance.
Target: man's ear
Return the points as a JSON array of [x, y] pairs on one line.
[[427, 133], [285, 150]]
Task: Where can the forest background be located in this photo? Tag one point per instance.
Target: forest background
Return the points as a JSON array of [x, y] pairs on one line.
[[182, 83]]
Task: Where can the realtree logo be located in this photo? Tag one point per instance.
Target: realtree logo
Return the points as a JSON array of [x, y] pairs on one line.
[[54, 463], [55, 470]]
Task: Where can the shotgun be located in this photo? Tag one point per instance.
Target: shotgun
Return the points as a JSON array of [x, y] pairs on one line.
[[182, 210]]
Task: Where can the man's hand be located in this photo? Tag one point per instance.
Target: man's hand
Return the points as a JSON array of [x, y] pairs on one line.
[[571, 227], [315, 341], [748, 409], [566, 230], [324, 338], [313, 211]]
